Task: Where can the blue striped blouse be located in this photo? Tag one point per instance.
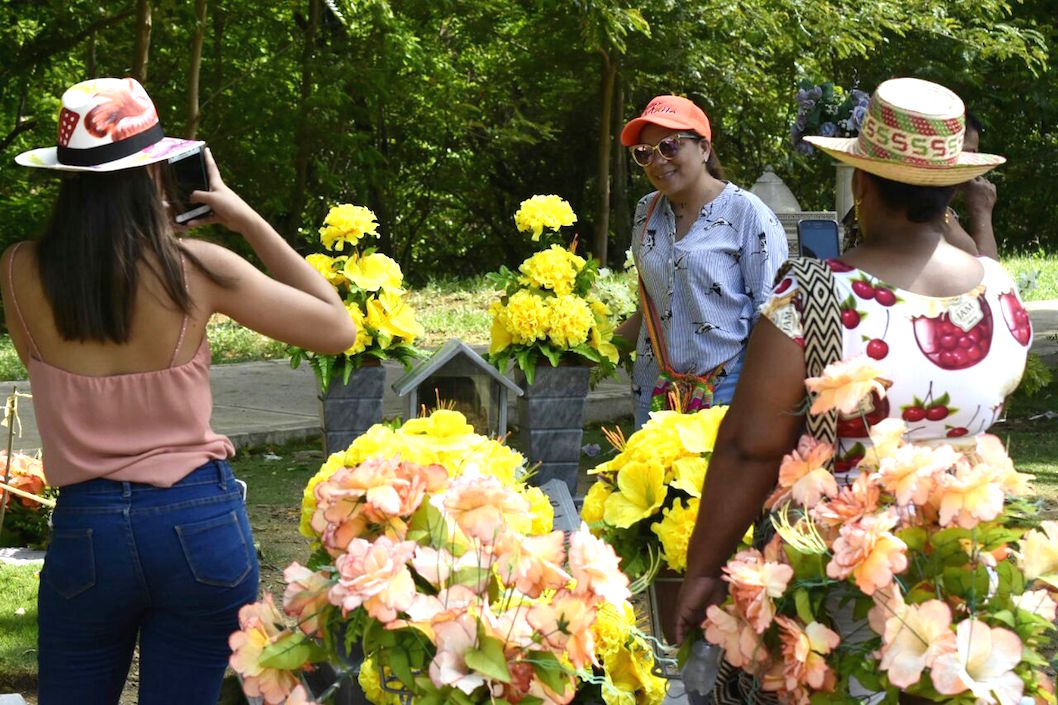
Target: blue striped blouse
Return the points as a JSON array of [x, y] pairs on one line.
[[708, 287]]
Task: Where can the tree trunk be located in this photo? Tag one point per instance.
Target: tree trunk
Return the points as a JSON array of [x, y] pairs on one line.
[[602, 207], [143, 40], [218, 47], [197, 38], [303, 134], [622, 207]]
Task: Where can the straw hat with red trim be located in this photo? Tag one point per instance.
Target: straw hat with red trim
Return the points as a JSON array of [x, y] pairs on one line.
[[106, 124], [912, 133]]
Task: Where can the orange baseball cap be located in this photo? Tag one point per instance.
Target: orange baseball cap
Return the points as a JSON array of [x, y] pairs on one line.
[[670, 111]]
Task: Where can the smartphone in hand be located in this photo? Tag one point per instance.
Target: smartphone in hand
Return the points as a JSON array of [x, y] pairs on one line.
[[818, 238], [189, 171]]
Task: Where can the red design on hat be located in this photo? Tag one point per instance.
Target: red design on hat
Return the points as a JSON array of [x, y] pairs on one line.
[[122, 115], [67, 124]]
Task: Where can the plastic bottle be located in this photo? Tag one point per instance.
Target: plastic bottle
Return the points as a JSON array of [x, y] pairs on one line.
[[699, 673]]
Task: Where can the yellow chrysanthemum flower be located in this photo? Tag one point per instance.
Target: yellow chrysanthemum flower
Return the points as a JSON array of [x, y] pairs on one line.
[[674, 532], [526, 317], [571, 321], [555, 268], [540, 212], [595, 502], [363, 337], [347, 223], [371, 683], [612, 626], [641, 491], [499, 337], [373, 272], [393, 318]]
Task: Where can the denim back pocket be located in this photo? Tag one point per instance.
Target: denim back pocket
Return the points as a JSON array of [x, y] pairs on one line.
[[216, 550], [70, 565]]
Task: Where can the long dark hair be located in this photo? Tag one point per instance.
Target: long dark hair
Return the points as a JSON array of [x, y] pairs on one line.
[[102, 225], [713, 166]]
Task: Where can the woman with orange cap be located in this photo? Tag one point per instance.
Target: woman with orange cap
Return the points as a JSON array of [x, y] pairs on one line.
[[707, 252]]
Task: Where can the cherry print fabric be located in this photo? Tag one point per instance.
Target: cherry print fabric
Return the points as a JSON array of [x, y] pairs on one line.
[[951, 361]]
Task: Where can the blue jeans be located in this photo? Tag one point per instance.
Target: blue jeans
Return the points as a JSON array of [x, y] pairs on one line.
[[168, 565], [723, 394]]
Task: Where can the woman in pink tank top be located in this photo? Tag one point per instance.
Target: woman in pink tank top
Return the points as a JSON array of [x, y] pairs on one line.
[[108, 310]]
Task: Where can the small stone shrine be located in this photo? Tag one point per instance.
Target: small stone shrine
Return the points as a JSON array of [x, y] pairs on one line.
[[456, 377]]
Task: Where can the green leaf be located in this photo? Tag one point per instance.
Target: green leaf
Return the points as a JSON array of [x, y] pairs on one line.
[[397, 660], [489, 660], [804, 606], [289, 653], [915, 537], [548, 669]]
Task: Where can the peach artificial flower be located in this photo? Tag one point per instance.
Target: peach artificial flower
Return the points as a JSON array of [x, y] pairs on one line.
[[376, 576], [596, 567], [742, 646], [482, 506], [886, 436], [754, 582], [888, 603], [434, 565], [1038, 602], [869, 552], [911, 471], [913, 639], [564, 625], [852, 503], [449, 667], [969, 496], [427, 611], [983, 662], [300, 696], [305, 596], [1038, 551], [991, 451], [260, 626], [804, 476], [532, 564], [844, 384], [804, 658]]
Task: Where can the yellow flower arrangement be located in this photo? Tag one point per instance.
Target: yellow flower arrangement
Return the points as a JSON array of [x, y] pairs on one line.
[[372, 287], [645, 499], [547, 309], [543, 212]]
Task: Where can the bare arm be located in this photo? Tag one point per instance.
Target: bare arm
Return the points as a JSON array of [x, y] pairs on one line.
[[295, 304], [980, 195], [760, 427]]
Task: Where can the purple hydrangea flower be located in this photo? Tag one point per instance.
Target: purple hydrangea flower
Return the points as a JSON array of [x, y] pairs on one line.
[[804, 148], [828, 129], [856, 119]]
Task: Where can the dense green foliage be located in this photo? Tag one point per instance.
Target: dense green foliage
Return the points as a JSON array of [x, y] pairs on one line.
[[442, 115]]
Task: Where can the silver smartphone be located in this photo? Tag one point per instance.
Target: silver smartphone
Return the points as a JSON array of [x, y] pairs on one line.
[[189, 171]]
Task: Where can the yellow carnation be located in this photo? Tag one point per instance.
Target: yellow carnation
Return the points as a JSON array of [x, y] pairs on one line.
[[555, 268], [526, 317], [371, 683], [540, 212], [392, 317], [347, 223], [595, 502], [674, 531], [499, 337], [571, 321], [363, 336], [540, 510], [329, 267], [373, 272]]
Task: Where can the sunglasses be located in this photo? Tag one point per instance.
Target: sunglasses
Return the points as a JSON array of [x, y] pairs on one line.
[[643, 154]]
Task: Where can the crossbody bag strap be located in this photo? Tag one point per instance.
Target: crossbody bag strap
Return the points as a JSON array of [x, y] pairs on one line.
[[821, 321], [650, 314]]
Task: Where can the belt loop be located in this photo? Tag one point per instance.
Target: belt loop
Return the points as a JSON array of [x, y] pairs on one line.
[[221, 479], [126, 490]]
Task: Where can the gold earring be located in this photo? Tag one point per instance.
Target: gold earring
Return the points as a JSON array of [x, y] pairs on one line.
[[856, 208], [947, 216]]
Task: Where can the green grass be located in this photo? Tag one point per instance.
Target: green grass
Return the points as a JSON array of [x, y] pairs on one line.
[[1041, 267], [453, 308], [18, 632]]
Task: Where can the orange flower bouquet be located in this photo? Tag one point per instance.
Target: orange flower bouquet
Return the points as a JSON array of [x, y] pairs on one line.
[[28, 501], [926, 575], [447, 576]]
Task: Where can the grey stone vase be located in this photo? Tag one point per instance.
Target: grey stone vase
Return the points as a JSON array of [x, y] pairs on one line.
[[350, 409], [551, 421]]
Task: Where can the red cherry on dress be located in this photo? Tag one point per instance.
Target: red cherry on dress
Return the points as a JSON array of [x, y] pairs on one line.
[[957, 431], [783, 285], [885, 297], [913, 414], [877, 349], [937, 412], [850, 318], [863, 289]]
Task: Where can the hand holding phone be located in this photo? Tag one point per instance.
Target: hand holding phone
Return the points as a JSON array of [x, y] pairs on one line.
[[189, 172], [818, 238]]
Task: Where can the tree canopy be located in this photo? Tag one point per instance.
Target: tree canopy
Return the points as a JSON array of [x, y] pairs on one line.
[[442, 115]]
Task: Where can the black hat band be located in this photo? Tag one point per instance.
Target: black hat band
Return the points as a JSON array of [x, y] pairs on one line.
[[94, 156]]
